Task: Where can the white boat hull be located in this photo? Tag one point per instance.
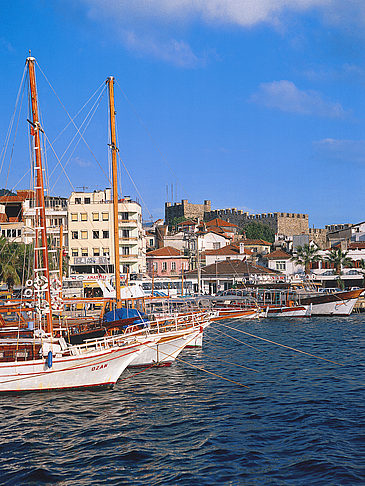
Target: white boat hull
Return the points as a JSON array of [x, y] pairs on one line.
[[167, 348], [100, 368], [296, 311], [340, 308]]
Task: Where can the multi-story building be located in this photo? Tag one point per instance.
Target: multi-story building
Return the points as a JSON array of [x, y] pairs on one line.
[[90, 222], [17, 213]]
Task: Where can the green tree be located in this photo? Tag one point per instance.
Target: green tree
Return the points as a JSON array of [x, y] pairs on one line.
[[258, 231], [175, 221], [305, 255], [339, 259]]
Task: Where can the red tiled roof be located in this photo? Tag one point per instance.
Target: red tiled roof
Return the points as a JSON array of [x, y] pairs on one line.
[[227, 250], [166, 251], [356, 245], [278, 255], [220, 222], [256, 242], [216, 231], [233, 267], [188, 222]]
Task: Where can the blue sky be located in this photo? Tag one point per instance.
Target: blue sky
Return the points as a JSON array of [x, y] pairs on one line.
[[254, 104]]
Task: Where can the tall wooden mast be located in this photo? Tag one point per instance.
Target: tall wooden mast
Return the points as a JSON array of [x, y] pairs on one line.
[[114, 149], [42, 264]]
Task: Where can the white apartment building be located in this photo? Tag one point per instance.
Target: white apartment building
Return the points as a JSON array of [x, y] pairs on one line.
[[90, 228], [17, 217]]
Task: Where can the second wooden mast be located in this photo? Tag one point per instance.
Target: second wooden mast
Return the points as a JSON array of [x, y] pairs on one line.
[[114, 150]]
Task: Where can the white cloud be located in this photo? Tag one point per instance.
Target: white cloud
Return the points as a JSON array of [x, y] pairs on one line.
[[341, 150], [245, 13], [173, 51], [285, 96]]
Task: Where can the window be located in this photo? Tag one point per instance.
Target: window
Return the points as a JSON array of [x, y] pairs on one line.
[[8, 233], [164, 266], [151, 242], [155, 267], [96, 251], [173, 266], [125, 233], [73, 216], [75, 235], [19, 232], [106, 252], [87, 200], [216, 246], [95, 234], [105, 216], [280, 265], [84, 235], [83, 216], [125, 250], [125, 216], [77, 200], [74, 252], [95, 216], [84, 252], [105, 233]]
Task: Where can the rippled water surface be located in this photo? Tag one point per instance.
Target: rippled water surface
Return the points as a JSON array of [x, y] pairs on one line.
[[298, 423]]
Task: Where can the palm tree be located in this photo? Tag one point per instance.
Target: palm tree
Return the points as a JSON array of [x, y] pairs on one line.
[[305, 255], [339, 259]]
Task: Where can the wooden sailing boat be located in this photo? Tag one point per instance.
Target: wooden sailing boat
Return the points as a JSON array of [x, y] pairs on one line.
[[173, 333], [38, 360]]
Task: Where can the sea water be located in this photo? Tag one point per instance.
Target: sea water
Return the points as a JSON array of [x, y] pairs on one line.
[[299, 422]]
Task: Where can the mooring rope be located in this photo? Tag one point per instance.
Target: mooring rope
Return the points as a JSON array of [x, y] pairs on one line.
[[282, 345]]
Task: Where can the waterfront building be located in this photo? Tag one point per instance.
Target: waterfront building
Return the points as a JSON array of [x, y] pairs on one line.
[[17, 215], [226, 274], [166, 262], [91, 248], [280, 261], [228, 252]]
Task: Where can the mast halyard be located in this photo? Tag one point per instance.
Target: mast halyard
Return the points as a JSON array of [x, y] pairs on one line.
[[41, 280], [114, 149]]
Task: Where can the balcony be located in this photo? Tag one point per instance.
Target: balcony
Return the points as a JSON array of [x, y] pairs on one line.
[[127, 222], [131, 256]]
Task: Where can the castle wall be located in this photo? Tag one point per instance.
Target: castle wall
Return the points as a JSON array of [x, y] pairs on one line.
[[186, 210], [288, 224]]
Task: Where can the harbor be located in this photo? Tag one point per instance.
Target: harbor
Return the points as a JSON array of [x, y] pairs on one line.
[[298, 419], [182, 243]]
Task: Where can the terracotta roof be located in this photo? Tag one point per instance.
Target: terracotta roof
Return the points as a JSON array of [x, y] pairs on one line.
[[233, 267], [166, 251], [188, 222], [227, 250], [216, 231], [278, 255], [256, 242], [356, 245], [220, 222]]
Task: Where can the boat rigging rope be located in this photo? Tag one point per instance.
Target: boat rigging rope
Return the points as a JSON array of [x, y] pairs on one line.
[[94, 107], [235, 339], [11, 123], [199, 367], [72, 121], [278, 344]]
